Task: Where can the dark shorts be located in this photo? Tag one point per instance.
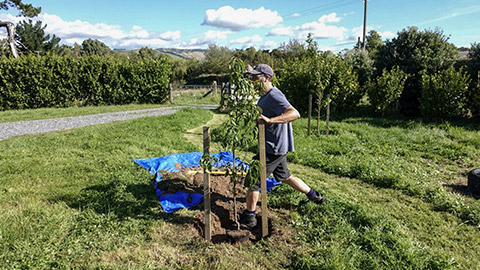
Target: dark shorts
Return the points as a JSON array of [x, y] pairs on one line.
[[276, 165]]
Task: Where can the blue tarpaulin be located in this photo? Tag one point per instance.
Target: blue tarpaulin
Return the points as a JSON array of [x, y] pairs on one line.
[[172, 202]]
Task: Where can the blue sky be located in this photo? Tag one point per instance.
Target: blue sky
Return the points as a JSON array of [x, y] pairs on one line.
[[336, 24]]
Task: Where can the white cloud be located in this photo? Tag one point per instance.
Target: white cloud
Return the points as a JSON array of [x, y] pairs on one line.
[[113, 35], [254, 38], [170, 35], [328, 48], [242, 18], [330, 18], [247, 41], [320, 30], [269, 45], [358, 32], [209, 37], [387, 35], [281, 31]]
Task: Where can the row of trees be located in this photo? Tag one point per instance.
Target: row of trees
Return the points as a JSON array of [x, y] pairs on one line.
[[416, 73]]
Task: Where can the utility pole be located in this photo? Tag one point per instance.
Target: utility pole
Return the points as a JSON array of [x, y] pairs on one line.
[[364, 23]]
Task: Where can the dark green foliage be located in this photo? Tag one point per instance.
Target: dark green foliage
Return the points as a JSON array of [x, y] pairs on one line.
[[253, 57], [323, 75], [473, 69], [415, 51], [362, 65], [147, 53], [33, 39], [387, 89], [216, 60], [26, 10], [298, 81], [342, 86], [95, 47], [54, 81], [444, 94], [474, 55]]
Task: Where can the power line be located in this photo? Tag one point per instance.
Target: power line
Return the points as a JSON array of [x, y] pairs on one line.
[[322, 8]]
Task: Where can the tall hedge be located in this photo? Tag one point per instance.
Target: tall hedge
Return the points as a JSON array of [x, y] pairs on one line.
[[61, 81]]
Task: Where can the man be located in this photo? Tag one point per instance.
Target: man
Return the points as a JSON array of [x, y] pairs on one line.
[[277, 113]]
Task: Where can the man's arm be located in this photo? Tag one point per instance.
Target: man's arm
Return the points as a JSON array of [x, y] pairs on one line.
[[290, 114]]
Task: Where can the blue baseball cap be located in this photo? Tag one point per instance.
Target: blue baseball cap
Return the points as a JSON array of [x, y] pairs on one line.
[[261, 69]]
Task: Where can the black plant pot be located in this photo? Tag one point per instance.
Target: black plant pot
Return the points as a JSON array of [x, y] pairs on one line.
[[474, 181]]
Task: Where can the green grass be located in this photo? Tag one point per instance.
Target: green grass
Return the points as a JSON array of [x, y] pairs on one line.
[[424, 160], [179, 98], [189, 97], [44, 113], [75, 199]]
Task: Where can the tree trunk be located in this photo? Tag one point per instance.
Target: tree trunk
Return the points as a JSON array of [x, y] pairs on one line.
[[309, 112], [11, 37], [328, 117], [319, 103]]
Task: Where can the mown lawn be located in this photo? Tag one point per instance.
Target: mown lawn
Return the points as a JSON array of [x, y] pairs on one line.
[[193, 97], [75, 199]]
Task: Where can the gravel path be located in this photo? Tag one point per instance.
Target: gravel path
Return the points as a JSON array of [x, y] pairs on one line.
[[12, 129]]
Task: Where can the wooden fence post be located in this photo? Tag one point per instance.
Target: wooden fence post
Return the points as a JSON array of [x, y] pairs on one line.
[[263, 177], [309, 112], [214, 88], [328, 118], [206, 187], [170, 94]]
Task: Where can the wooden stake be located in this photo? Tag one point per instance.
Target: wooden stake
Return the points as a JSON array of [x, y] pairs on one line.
[[263, 177], [171, 95], [206, 187], [328, 117], [309, 112]]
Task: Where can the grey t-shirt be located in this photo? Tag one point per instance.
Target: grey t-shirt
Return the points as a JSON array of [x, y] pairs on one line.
[[278, 137]]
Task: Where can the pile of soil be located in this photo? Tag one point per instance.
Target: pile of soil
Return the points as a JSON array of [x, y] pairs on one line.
[[223, 227]]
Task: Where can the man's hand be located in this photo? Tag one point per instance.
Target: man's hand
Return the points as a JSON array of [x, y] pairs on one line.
[[289, 115], [265, 119]]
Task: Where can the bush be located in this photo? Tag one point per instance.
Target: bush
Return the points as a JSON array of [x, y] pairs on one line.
[[473, 68], [415, 51], [474, 97], [61, 81], [298, 80], [444, 94], [387, 89]]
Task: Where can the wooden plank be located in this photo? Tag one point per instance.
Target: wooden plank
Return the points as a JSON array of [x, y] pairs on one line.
[[206, 187], [263, 176]]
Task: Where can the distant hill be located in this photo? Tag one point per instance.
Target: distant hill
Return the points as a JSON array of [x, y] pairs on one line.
[[175, 53], [184, 53]]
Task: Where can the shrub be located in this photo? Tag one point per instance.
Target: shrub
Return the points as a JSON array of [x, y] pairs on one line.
[[474, 97], [473, 68], [415, 51], [444, 94], [387, 89]]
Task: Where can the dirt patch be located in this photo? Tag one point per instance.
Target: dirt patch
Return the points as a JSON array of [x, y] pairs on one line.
[[222, 205]]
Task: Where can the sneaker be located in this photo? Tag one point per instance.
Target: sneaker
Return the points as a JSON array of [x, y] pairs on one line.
[[248, 220], [317, 198]]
